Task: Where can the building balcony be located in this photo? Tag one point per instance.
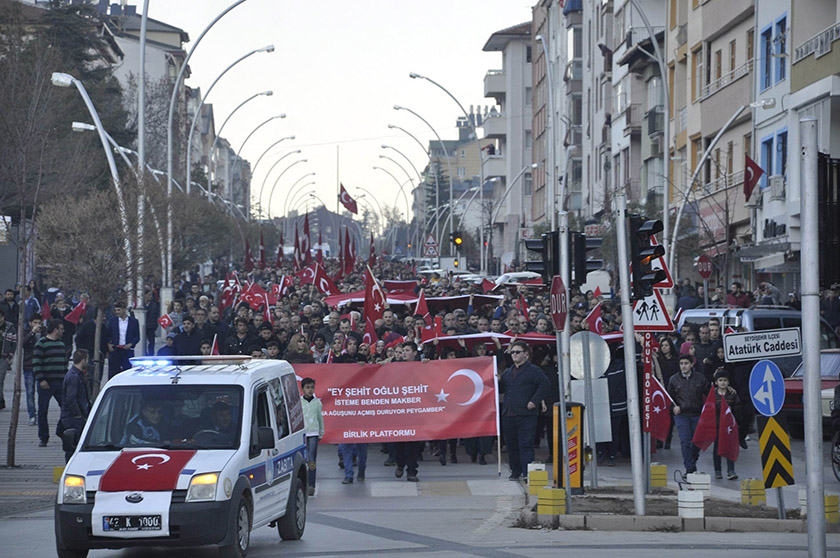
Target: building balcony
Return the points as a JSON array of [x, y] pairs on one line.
[[636, 35], [819, 44], [633, 119], [711, 88], [655, 121], [494, 84], [494, 166], [495, 126]]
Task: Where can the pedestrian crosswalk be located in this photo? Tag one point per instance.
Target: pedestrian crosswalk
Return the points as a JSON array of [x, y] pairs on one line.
[[438, 488]]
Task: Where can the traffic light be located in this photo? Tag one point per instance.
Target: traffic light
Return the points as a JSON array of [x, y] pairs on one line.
[[456, 239], [548, 247], [642, 254], [456, 264], [581, 265]]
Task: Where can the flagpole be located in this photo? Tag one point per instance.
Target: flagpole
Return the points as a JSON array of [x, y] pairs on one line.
[[337, 179]]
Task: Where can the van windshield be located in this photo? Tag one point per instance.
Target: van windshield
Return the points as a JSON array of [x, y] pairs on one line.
[[172, 416]]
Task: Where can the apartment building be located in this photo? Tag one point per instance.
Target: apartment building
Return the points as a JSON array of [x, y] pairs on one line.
[[508, 124]]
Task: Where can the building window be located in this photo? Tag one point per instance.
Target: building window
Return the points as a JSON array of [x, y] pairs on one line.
[[697, 61], [730, 151], [528, 94], [766, 159], [528, 185], [731, 55], [750, 39], [463, 154], [779, 44], [781, 153], [654, 93], [672, 14], [529, 141], [718, 64], [527, 54], [462, 171], [766, 58]]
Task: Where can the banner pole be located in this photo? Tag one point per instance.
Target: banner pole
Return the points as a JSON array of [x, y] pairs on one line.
[[498, 419]]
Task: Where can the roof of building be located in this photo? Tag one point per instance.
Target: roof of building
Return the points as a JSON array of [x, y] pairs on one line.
[[500, 39], [132, 23]]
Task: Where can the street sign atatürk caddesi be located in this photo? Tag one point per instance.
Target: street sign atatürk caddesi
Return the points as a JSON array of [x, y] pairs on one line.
[[558, 302]]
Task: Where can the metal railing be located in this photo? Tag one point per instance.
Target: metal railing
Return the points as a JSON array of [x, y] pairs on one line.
[[636, 35], [730, 77], [633, 119], [819, 44]]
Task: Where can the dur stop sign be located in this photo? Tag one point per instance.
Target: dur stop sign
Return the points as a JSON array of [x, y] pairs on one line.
[[558, 302]]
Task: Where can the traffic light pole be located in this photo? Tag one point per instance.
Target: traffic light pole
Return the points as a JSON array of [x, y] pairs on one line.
[[630, 357]]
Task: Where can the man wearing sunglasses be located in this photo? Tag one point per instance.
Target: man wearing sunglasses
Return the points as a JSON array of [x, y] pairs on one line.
[[525, 387]]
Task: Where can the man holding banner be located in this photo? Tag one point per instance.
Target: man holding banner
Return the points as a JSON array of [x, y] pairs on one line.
[[524, 386]]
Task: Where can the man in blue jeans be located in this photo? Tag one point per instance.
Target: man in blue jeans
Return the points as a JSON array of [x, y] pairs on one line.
[[49, 361], [525, 386], [31, 336], [348, 451], [688, 389]]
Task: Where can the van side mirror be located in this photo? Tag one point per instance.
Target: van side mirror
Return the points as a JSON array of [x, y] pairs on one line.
[[69, 439], [265, 437]]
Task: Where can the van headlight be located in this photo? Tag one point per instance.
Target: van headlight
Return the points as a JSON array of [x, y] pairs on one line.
[[202, 487], [74, 490]]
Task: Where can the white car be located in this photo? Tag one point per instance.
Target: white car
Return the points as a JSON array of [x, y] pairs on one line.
[[516, 277], [186, 451]]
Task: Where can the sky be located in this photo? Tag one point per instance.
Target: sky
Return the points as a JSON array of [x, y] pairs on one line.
[[337, 71]]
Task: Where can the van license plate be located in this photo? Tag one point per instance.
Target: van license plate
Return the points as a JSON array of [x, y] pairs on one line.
[[131, 523]]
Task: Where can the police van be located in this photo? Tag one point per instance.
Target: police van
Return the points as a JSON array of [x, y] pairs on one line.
[[186, 451]]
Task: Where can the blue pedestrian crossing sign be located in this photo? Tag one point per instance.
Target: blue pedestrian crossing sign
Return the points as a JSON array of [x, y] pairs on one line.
[[767, 388]]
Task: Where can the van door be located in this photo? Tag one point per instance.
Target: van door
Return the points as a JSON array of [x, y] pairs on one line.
[[287, 445], [259, 469]]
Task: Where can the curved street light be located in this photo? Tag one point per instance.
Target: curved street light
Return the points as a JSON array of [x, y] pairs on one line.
[[270, 195], [402, 190], [210, 172], [269, 48], [264, 153], [166, 295], [263, 123], [296, 201], [419, 176], [414, 75], [290, 194], [277, 162], [507, 191]]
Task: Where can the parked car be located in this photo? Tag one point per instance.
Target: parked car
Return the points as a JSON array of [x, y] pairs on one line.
[[516, 277], [759, 318], [830, 375]]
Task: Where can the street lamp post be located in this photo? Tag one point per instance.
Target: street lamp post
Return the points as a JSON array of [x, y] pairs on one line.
[[402, 190], [419, 177], [269, 48], [277, 162], [66, 80], [271, 194], [470, 121], [264, 153], [292, 188], [210, 172], [449, 166], [166, 294]]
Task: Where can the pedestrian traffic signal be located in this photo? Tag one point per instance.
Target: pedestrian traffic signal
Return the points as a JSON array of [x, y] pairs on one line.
[[642, 254], [548, 247], [581, 265], [456, 238]]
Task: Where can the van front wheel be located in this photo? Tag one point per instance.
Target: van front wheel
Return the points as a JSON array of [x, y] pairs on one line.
[[291, 525], [241, 525]]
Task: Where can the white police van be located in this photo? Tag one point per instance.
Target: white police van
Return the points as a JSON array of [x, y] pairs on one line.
[[186, 451]]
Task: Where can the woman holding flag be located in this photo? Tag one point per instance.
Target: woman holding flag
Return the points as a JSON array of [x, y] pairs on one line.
[[717, 424]]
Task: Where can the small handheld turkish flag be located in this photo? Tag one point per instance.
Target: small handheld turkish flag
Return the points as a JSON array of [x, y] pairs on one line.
[[705, 433], [728, 445], [660, 402], [347, 201], [165, 321], [596, 324], [752, 174], [77, 313]]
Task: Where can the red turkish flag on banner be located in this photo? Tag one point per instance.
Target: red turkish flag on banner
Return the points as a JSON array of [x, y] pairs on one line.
[[347, 201], [319, 254], [77, 313], [165, 321], [596, 324], [728, 445], [307, 275], [660, 402], [372, 258], [375, 303], [706, 432], [305, 242], [147, 470], [422, 309], [433, 400], [248, 265], [215, 349], [752, 174], [323, 282], [261, 263]]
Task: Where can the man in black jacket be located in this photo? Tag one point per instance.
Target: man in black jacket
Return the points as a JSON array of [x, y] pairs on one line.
[[188, 342], [688, 389], [525, 387], [75, 403]]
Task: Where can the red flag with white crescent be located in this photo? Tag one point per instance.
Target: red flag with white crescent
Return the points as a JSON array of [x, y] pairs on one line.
[[307, 275], [660, 403], [349, 256], [372, 258], [728, 443], [77, 313], [375, 302], [305, 242], [249, 259], [596, 324], [422, 309], [319, 254], [323, 282], [297, 255], [165, 321], [439, 399], [706, 431], [752, 174], [347, 201], [369, 336], [215, 349], [145, 470]]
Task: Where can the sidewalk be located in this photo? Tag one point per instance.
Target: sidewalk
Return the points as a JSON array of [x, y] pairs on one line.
[[28, 486]]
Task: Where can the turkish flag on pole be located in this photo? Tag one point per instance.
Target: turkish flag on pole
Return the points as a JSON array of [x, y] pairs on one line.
[[323, 282], [307, 275], [249, 260], [596, 324], [215, 349], [297, 256], [267, 315], [347, 201], [372, 258], [262, 252], [752, 174], [305, 242], [319, 254], [374, 298], [487, 285], [369, 336], [279, 261], [349, 259], [422, 309], [706, 432], [458, 399], [77, 313], [165, 321], [523, 307], [660, 402], [728, 445]]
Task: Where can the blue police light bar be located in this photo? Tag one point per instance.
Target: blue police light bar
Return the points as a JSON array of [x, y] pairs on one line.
[[151, 361]]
